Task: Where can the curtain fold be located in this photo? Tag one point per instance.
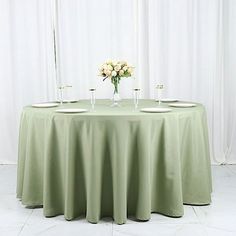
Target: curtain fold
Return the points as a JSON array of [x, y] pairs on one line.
[[26, 65], [229, 81], [187, 45]]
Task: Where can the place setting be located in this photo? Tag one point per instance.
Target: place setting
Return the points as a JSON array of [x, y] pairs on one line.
[[168, 102], [64, 94], [64, 98], [159, 108], [81, 110]]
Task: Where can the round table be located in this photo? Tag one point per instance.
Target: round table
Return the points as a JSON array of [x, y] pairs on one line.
[[113, 162]]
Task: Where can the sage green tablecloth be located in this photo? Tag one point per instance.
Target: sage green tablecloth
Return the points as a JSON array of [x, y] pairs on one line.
[[113, 162]]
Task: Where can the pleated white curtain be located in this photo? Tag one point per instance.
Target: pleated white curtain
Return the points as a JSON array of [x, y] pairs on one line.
[[229, 83], [26, 65], [188, 45], [91, 32]]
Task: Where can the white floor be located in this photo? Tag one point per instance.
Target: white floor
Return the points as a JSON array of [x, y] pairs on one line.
[[217, 219]]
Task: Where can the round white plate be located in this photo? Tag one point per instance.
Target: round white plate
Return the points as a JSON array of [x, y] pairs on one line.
[[182, 104], [45, 105], [168, 100], [71, 110], [156, 109], [69, 101]]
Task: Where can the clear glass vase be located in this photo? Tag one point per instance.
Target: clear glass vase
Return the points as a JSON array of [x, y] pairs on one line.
[[116, 96]]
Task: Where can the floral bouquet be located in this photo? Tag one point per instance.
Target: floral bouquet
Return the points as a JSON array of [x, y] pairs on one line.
[[115, 71]]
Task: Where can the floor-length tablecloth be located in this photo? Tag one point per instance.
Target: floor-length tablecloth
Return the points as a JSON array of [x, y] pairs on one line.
[[113, 162]]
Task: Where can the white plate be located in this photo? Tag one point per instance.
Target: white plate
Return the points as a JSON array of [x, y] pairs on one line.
[[45, 105], [71, 110], [69, 101], [156, 109], [168, 100], [182, 104]]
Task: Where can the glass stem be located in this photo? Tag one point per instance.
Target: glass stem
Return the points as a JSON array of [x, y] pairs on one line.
[[136, 100], [61, 96], [92, 100], [159, 96]]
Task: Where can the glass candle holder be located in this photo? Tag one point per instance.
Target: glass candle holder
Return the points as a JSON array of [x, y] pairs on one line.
[[92, 98], [61, 92], [61, 88], [67, 94], [159, 88], [136, 98]]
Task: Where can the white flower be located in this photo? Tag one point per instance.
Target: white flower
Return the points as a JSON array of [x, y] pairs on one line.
[[107, 72], [121, 72], [114, 73], [104, 66], [130, 70], [109, 67], [123, 63], [117, 68], [125, 68]]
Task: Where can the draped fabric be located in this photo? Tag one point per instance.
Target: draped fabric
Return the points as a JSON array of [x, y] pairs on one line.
[[187, 45], [113, 162]]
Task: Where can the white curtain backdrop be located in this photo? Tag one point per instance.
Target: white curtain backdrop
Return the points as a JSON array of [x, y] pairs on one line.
[[26, 65], [187, 45]]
